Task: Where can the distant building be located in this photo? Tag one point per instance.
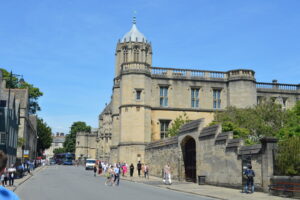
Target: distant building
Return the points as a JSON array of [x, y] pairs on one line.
[[86, 144], [57, 142]]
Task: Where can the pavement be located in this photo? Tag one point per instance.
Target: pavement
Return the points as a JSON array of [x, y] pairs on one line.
[[222, 193], [20, 181]]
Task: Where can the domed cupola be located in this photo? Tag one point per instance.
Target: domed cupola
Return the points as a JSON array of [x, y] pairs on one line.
[[134, 34]]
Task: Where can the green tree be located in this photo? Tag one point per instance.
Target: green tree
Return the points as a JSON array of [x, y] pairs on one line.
[[34, 92], [288, 157], [70, 141], [59, 150], [176, 124], [251, 124], [44, 135]]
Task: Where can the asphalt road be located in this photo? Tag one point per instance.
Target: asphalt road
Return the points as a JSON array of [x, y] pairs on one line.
[[75, 183]]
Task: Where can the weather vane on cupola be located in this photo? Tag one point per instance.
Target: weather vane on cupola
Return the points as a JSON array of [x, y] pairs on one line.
[[134, 17]]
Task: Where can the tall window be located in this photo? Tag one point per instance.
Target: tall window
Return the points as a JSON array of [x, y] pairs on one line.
[[164, 125], [217, 98], [163, 100], [138, 94], [125, 54], [136, 54], [2, 137], [195, 97]]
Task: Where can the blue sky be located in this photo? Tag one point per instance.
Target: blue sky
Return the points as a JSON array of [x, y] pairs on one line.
[[66, 48]]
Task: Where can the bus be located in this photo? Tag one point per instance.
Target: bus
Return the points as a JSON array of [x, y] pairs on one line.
[[64, 158]]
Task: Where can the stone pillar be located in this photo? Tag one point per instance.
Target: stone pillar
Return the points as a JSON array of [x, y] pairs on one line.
[[267, 166]]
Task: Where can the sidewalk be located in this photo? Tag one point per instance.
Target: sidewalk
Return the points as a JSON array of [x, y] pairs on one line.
[[20, 181], [204, 190]]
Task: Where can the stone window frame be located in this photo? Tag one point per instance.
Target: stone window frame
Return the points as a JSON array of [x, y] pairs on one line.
[[197, 99], [125, 54], [217, 102], [164, 127], [164, 95], [136, 53], [140, 91]]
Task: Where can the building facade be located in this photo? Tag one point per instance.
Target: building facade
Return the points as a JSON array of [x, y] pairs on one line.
[[146, 99], [57, 142]]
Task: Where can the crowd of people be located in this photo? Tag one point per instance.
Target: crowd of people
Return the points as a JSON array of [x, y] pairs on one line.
[[113, 172], [6, 175]]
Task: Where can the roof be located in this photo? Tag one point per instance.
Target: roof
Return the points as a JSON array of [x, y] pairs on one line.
[[58, 139], [234, 143], [107, 110], [223, 136], [253, 149], [190, 126], [209, 131], [134, 34]]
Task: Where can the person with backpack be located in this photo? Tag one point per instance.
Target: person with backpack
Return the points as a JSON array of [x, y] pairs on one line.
[[249, 174]]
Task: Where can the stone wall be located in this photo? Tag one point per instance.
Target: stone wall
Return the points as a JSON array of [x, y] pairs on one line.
[[158, 154], [219, 157]]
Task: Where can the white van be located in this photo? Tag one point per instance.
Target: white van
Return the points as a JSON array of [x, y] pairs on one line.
[[89, 164]]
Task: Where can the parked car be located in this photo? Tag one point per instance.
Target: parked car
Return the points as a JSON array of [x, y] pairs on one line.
[[89, 164]]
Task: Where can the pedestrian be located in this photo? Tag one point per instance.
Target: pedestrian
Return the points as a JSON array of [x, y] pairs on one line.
[[249, 174], [11, 175], [167, 174], [5, 194], [124, 169], [99, 168], [139, 168], [131, 169], [109, 176], [95, 169], [117, 172], [2, 180], [146, 171]]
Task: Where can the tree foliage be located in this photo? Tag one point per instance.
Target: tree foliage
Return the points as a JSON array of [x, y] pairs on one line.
[[176, 124], [288, 157], [34, 92], [70, 141], [44, 135], [59, 150], [251, 124]]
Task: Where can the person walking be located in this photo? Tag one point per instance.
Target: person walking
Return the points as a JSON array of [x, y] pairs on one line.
[[11, 175], [117, 172], [124, 169], [167, 174], [249, 174], [95, 169], [100, 168], [131, 169], [146, 171], [5, 194], [139, 168], [109, 176]]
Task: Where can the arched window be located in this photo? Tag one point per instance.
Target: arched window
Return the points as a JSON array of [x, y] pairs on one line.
[[125, 54], [136, 54]]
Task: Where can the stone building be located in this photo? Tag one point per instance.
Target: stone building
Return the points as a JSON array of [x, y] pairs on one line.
[[9, 123], [146, 99], [86, 144], [27, 123], [57, 142], [104, 134]]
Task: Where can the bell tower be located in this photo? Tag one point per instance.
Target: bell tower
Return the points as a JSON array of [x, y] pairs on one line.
[[131, 97], [132, 48]]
